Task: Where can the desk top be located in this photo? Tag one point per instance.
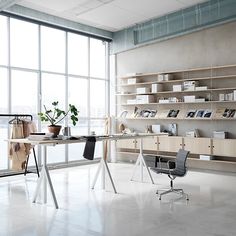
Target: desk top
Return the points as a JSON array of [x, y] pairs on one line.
[[81, 139]]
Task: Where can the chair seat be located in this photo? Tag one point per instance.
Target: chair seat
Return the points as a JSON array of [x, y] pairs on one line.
[[173, 172]]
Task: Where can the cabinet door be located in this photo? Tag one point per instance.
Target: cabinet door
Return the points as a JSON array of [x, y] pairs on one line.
[[198, 145], [169, 144], [126, 143], [149, 143], [224, 147]]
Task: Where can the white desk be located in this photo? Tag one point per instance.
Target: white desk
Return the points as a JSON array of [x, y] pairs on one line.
[[45, 176]]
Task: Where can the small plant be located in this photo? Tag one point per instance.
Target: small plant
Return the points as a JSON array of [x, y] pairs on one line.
[[55, 115]]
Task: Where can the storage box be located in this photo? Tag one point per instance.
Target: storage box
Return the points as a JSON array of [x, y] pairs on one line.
[[177, 88], [164, 101], [235, 95], [156, 128], [190, 98], [221, 97], [132, 81], [142, 90], [200, 99], [200, 88], [190, 85], [157, 88], [168, 77], [161, 77], [206, 157], [144, 99], [219, 134]]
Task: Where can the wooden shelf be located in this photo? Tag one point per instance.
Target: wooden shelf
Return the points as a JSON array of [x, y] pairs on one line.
[[176, 103], [177, 71], [179, 92], [172, 118]]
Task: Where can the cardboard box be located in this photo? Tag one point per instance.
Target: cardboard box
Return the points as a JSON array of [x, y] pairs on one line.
[[142, 90], [157, 88], [206, 157], [144, 99], [177, 88]]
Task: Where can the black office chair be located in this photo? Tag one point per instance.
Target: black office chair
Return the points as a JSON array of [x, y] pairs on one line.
[[175, 168]]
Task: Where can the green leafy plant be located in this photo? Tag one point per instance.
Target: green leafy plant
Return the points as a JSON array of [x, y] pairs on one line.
[[55, 115]]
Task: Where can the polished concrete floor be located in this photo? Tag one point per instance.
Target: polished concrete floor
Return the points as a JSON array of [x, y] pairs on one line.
[[135, 210]]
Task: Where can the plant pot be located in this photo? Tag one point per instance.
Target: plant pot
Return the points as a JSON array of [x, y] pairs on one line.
[[55, 129]]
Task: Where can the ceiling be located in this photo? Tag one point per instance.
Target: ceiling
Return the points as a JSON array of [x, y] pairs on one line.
[[111, 15]]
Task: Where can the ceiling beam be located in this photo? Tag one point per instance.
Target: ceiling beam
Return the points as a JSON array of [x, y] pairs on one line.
[[4, 4]]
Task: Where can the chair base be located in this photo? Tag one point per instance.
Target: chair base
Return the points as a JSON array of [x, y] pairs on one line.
[[174, 190]]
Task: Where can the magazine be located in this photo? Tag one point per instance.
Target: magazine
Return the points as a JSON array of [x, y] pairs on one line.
[[191, 113], [173, 113]]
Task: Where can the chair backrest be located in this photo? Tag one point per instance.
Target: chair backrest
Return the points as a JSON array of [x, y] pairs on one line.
[[180, 167]]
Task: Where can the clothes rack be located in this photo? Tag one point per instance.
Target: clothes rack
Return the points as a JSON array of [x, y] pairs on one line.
[[17, 117]]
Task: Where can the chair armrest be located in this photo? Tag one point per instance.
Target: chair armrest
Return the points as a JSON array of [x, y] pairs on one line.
[[171, 164]]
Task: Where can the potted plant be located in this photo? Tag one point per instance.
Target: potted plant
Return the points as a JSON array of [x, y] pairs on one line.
[[56, 115]]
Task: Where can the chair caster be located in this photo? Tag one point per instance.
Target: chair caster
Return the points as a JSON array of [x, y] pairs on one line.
[[157, 192], [159, 198]]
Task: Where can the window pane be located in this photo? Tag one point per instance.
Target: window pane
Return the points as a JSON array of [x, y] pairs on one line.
[[53, 89], [53, 49], [24, 92], [97, 58], [77, 54], [3, 91], [76, 150], [3, 144], [24, 44], [78, 94], [97, 98], [3, 41]]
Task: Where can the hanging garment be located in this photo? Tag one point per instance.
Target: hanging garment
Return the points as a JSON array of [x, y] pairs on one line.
[[28, 127], [18, 152]]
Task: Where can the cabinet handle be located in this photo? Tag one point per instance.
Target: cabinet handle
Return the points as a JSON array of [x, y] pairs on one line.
[[209, 146]]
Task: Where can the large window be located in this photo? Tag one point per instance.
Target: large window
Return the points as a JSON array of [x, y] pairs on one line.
[[45, 65]]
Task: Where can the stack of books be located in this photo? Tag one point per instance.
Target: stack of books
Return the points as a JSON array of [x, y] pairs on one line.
[[40, 136]]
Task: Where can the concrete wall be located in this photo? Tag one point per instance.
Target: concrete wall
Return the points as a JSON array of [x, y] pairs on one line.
[[214, 46]]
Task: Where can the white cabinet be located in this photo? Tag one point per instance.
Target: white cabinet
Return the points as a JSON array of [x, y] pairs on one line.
[[170, 144], [126, 143], [198, 145], [224, 147]]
